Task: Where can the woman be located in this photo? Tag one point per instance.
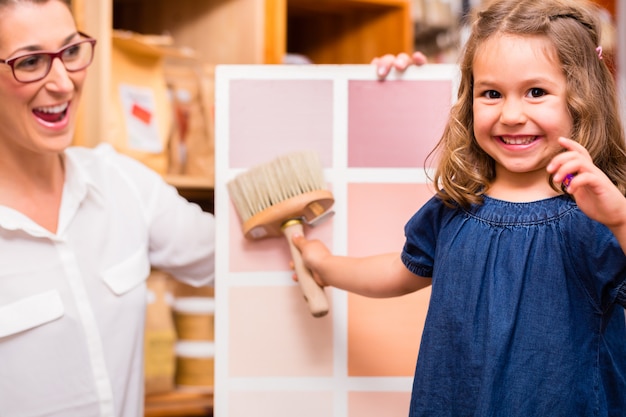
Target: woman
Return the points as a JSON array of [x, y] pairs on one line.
[[79, 231]]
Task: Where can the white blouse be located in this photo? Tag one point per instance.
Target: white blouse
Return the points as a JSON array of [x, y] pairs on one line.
[[72, 304]]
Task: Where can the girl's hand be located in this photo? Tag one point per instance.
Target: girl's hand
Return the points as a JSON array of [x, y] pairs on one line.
[[314, 252], [593, 191], [400, 62]]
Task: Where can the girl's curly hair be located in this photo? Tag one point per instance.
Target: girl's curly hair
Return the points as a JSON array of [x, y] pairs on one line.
[[464, 171]]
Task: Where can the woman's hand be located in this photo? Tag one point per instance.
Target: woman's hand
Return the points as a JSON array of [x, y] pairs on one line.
[[400, 62]]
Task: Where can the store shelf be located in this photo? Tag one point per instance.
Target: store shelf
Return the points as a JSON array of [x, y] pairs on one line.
[[195, 189], [179, 404], [262, 32], [189, 182]]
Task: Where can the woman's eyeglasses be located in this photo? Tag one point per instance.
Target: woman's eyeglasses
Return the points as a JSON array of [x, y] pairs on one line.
[[34, 67]]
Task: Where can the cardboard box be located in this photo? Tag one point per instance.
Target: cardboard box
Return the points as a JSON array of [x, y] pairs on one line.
[[141, 112], [159, 336], [191, 143]]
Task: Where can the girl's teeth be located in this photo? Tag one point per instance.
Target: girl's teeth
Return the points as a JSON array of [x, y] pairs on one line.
[[518, 141]]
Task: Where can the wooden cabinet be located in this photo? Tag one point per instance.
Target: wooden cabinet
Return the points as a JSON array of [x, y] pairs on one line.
[[263, 31], [348, 32], [243, 32]]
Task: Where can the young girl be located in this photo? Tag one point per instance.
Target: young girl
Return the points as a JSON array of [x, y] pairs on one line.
[[524, 241]]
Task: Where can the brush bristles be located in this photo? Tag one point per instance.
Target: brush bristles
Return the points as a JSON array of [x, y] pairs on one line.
[[268, 184]]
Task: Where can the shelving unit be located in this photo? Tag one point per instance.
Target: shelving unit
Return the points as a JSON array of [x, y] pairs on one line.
[[243, 32], [198, 190], [233, 32], [348, 32], [179, 404], [262, 32]]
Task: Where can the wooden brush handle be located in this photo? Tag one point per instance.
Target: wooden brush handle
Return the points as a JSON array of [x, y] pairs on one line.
[[314, 295]]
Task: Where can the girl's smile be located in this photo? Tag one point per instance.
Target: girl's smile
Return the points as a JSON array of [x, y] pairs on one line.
[[517, 140]]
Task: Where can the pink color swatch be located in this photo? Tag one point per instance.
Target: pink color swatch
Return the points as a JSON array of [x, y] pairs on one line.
[[281, 404], [378, 404], [275, 335], [396, 123], [377, 214], [272, 117]]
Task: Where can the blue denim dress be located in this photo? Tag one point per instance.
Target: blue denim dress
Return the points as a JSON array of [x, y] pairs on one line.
[[525, 317]]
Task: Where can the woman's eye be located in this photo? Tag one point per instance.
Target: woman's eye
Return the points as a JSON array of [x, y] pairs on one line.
[[71, 52], [29, 62], [536, 92]]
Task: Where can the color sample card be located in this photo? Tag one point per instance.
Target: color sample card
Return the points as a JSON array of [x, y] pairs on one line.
[[373, 138]]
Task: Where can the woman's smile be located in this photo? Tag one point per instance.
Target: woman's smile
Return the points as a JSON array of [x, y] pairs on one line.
[[52, 114]]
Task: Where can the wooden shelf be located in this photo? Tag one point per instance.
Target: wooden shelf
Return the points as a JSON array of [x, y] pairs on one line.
[[348, 31], [195, 189], [179, 404], [240, 32], [262, 32], [188, 182]]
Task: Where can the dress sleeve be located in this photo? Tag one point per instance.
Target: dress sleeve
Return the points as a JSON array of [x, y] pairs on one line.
[[421, 233], [598, 260], [181, 236]]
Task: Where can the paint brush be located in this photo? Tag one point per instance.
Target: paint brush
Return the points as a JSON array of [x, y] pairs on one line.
[[276, 199]]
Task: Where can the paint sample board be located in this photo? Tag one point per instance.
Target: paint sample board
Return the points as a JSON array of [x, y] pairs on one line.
[[273, 358]]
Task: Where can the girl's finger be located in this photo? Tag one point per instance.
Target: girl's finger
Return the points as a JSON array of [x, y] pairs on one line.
[[574, 146], [569, 167]]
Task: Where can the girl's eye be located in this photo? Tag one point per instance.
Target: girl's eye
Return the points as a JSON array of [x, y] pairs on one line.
[[536, 92], [492, 94]]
